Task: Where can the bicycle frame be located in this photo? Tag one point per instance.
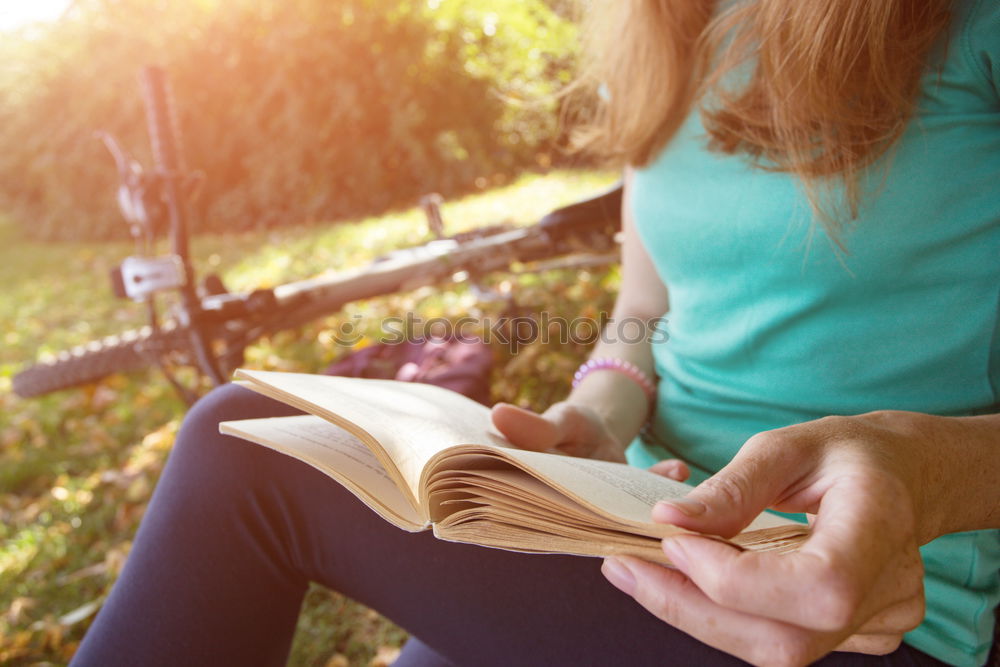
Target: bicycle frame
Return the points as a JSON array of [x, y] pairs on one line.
[[211, 327]]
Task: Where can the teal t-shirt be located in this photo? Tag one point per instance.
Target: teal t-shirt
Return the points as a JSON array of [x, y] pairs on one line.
[[769, 325]]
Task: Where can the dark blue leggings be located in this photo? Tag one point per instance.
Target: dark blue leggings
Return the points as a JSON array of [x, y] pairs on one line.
[[235, 533]]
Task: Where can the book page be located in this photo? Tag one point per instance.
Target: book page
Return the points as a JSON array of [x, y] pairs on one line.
[[408, 421], [511, 509], [336, 453], [513, 537], [518, 488], [617, 491]]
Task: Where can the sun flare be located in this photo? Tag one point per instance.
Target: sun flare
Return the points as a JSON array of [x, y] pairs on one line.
[[18, 13]]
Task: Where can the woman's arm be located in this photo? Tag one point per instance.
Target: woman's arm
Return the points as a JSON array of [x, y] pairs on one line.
[[879, 484], [642, 297], [607, 409], [969, 448]]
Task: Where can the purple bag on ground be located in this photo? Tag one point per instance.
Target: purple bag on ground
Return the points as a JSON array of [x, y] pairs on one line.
[[460, 365]]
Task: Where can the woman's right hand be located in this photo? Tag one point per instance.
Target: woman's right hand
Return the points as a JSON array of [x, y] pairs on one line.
[[574, 430], [565, 428]]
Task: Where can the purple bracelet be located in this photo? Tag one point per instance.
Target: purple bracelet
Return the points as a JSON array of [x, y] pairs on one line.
[[626, 368]]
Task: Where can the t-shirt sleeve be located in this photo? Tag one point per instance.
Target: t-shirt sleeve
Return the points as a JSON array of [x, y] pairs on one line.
[[983, 43]]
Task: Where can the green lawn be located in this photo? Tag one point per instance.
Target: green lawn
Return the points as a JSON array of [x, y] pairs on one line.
[[77, 467]]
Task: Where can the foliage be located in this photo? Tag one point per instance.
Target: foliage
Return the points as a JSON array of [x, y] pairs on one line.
[[296, 109], [79, 465]]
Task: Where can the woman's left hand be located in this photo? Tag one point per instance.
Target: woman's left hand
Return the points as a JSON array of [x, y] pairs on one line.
[[876, 485]]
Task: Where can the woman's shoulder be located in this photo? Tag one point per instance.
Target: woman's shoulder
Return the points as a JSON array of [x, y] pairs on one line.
[[974, 43]]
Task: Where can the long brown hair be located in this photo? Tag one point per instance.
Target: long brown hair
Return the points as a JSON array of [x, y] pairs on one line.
[[827, 86]]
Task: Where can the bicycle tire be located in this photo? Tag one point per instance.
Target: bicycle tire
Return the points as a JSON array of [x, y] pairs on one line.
[[130, 351]]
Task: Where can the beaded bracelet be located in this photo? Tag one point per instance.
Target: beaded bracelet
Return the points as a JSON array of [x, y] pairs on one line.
[[626, 368]]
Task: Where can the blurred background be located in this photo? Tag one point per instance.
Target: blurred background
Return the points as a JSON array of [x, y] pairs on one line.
[[300, 110], [318, 125]]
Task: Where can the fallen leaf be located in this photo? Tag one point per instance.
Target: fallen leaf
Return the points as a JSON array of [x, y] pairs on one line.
[[385, 656], [80, 613]]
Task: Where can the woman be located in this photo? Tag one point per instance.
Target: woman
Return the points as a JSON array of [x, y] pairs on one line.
[[814, 184]]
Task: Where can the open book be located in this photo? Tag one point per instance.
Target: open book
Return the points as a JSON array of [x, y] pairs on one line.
[[424, 458]]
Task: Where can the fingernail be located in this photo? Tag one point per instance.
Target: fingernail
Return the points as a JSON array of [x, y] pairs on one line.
[[686, 506], [675, 552], [619, 575]]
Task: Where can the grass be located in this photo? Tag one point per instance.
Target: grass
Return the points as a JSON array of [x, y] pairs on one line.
[[78, 466]]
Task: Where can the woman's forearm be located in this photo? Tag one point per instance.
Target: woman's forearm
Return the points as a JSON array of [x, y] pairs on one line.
[[642, 300], [968, 455], [618, 399]]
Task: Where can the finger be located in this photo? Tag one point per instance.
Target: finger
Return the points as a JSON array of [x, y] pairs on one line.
[[826, 585], [782, 588], [724, 504], [867, 559], [526, 429], [675, 599], [672, 469], [871, 644]]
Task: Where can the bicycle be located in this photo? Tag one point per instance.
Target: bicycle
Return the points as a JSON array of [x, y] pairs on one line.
[[210, 327]]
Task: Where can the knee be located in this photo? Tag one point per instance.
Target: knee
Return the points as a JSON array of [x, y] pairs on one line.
[[221, 402], [200, 446], [228, 402]]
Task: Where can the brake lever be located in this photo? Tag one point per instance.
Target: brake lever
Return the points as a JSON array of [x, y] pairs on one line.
[[133, 197]]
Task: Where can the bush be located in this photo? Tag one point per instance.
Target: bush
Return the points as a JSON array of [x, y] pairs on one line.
[[297, 110]]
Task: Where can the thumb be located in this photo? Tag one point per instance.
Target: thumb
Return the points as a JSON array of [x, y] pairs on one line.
[[726, 503], [526, 429]]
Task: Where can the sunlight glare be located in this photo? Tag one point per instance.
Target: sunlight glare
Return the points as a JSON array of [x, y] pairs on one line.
[[15, 14]]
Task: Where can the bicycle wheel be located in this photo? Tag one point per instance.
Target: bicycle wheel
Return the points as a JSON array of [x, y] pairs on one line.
[[130, 351]]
